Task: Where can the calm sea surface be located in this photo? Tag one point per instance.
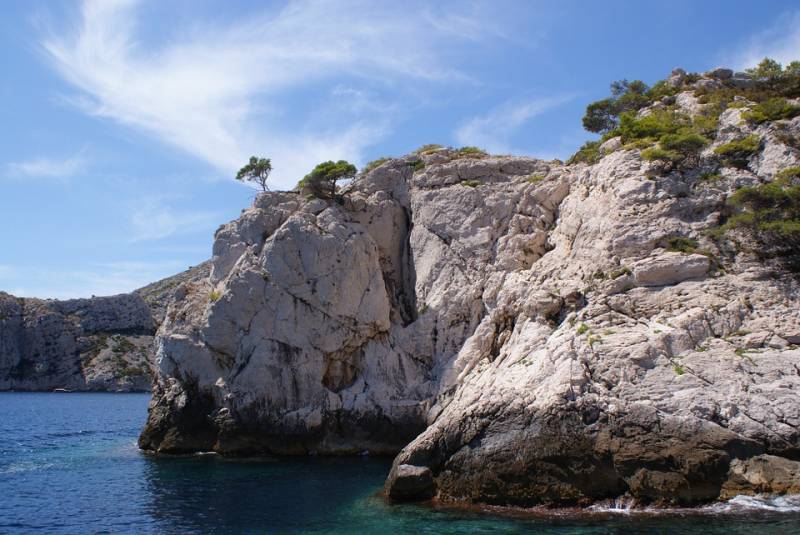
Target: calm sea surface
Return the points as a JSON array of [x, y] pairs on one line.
[[69, 464]]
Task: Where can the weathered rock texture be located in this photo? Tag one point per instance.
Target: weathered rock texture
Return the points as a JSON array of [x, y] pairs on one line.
[[82, 344], [97, 344], [522, 321], [159, 294]]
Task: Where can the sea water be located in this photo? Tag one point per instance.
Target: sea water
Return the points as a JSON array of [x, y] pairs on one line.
[[69, 464]]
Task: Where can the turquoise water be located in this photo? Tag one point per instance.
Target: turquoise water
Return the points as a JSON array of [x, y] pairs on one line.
[[69, 464]]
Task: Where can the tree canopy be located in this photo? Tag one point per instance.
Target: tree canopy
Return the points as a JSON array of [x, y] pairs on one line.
[[603, 115], [323, 178], [772, 76], [257, 170]]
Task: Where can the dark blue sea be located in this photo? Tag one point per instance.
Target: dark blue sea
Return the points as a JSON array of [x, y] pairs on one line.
[[69, 464]]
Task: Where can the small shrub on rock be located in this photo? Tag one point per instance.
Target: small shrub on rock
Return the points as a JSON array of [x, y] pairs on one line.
[[660, 90], [738, 151], [588, 153], [429, 147], [770, 213], [657, 153], [473, 152], [416, 165], [603, 115], [711, 177], [773, 109], [375, 164], [684, 143], [471, 183], [788, 177], [769, 81], [321, 181], [639, 144], [654, 125], [682, 244], [621, 272], [676, 134], [706, 123]]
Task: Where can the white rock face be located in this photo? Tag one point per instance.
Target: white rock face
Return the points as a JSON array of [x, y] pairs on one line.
[[669, 268], [523, 323]]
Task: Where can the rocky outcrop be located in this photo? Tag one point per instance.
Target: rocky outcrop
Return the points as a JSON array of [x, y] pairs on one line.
[[669, 268], [158, 295], [97, 344], [100, 343], [530, 327]]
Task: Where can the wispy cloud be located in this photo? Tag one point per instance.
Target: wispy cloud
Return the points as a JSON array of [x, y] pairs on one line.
[[154, 219], [49, 168], [494, 130], [780, 42], [217, 91]]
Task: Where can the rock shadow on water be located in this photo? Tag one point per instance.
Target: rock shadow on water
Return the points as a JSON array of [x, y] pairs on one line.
[[216, 494], [246, 495]]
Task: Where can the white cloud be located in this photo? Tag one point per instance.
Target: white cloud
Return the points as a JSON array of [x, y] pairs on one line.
[[494, 130], [218, 92], [780, 42], [57, 169], [152, 219]]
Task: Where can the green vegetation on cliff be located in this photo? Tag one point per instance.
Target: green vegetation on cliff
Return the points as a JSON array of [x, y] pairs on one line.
[[322, 180], [665, 133], [770, 215]]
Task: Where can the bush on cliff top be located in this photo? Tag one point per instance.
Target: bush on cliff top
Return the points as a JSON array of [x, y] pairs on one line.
[[322, 180], [428, 147], [771, 84], [471, 152], [588, 153], [773, 109], [257, 170], [677, 135], [772, 77], [375, 164], [654, 125], [604, 115]]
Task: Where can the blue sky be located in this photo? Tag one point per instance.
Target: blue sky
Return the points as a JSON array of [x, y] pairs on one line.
[[124, 121]]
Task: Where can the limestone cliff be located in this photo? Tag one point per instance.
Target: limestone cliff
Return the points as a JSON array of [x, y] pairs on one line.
[[97, 344], [521, 331]]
